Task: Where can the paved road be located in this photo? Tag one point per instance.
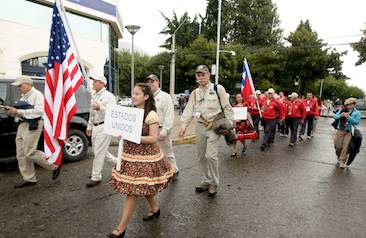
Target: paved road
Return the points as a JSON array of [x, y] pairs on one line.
[[284, 192]]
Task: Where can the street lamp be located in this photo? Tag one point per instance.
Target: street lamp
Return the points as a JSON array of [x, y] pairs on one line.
[[172, 64], [161, 67], [218, 42], [132, 29]]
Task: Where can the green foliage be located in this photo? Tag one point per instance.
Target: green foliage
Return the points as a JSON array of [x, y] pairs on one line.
[[248, 22], [186, 34], [360, 47], [124, 62], [336, 88]]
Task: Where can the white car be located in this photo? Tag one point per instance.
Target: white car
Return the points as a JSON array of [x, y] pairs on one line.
[[125, 101]]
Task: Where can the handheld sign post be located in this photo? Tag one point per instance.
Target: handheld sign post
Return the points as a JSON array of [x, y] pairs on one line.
[[125, 122], [240, 113]]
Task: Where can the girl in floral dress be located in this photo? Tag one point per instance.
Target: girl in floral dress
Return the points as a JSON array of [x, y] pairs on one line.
[[144, 171], [244, 129]]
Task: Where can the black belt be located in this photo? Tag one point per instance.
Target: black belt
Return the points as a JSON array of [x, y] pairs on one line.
[[99, 123]]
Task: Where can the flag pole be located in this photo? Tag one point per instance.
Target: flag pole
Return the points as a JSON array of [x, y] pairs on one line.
[[73, 45], [250, 75]]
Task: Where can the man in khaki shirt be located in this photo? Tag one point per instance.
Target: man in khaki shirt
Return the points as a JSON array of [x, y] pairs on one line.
[[28, 135], [204, 105]]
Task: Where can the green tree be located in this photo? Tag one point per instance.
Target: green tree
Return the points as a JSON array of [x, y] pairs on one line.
[[186, 34], [337, 88], [124, 62], [360, 47], [248, 22], [309, 59]]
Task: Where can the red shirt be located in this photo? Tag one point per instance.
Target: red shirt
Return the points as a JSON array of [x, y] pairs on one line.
[[296, 109], [311, 107], [252, 106], [272, 109]]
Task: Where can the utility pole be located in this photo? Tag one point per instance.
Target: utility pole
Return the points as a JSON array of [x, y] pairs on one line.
[[218, 42]]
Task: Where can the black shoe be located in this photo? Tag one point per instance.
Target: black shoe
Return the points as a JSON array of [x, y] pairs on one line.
[[56, 172], [175, 176], [92, 183], [151, 215], [263, 147], [24, 184], [201, 189], [121, 235]]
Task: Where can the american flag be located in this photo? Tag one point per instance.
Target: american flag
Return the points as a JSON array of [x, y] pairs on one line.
[[63, 77], [247, 85]]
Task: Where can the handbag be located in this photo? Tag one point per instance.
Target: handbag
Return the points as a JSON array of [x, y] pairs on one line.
[[221, 125]]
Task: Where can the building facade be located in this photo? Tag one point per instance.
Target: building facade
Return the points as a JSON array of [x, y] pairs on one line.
[[25, 30]]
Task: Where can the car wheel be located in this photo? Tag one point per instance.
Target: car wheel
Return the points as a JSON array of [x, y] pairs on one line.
[[76, 147]]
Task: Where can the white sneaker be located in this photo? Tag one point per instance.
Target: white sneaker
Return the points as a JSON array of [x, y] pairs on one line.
[[302, 137], [343, 165], [309, 137]]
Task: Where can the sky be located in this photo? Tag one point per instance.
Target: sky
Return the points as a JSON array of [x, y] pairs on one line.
[[336, 22]]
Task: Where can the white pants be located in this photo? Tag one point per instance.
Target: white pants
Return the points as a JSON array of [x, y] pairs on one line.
[[167, 148], [100, 143]]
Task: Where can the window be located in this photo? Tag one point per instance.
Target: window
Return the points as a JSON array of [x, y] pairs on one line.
[[38, 15], [35, 66], [3, 93]]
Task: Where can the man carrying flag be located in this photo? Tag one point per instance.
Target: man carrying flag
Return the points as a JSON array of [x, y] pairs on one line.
[[63, 77]]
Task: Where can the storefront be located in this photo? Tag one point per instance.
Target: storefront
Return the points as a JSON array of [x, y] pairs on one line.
[[25, 29]]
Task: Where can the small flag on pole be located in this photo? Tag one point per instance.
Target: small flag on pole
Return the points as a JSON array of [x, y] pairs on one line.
[[247, 85], [63, 77]]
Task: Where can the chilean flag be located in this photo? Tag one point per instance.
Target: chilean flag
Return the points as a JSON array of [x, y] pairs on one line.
[[247, 85]]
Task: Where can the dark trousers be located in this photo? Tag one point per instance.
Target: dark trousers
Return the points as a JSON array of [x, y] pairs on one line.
[[294, 126], [287, 126], [309, 122], [269, 131], [256, 119]]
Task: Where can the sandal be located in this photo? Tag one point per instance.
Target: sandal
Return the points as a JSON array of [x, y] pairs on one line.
[[151, 215], [117, 234]]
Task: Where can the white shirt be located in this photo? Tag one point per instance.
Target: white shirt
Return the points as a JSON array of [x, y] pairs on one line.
[[36, 99], [165, 111], [103, 97]]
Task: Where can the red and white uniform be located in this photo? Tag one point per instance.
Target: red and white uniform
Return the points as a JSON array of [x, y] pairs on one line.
[[296, 109], [272, 109], [253, 106], [311, 107]]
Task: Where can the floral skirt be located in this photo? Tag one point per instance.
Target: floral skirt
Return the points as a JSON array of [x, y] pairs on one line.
[[142, 175], [245, 130]]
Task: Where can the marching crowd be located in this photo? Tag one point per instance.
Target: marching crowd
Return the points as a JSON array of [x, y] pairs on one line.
[[148, 167]]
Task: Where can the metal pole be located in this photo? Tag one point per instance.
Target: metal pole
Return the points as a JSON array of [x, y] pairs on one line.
[[172, 69], [132, 64], [73, 44], [161, 79], [321, 89], [218, 42]]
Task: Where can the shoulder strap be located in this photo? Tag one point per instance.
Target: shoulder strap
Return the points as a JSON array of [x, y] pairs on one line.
[[218, 95]]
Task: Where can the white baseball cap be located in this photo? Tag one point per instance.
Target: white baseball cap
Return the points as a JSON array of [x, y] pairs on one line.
[[293, 95], [271, 90], [99, 78]]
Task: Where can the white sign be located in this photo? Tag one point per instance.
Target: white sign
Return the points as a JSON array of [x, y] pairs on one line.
[[240, 113], [125, 121]]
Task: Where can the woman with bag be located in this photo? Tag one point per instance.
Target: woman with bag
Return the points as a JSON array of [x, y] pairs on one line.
[[244, 129], [144, 170], [345, 118]]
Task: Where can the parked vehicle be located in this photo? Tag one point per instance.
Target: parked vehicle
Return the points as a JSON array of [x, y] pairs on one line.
[[125, 101], [77, 144]]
